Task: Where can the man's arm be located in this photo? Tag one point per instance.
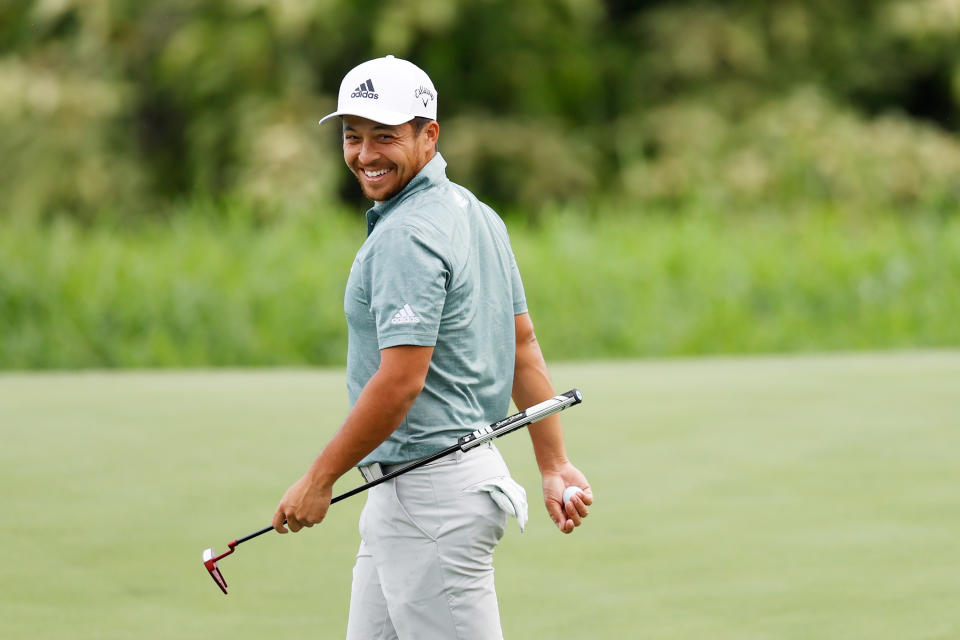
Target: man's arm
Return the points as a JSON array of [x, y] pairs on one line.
[[381, 407], [531, 384]]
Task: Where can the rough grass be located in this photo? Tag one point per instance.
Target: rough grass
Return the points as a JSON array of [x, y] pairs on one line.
[[786, 498], [701, 284], [190, 292]]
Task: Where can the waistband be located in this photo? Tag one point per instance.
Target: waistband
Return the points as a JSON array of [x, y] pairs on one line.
[[376, 470]]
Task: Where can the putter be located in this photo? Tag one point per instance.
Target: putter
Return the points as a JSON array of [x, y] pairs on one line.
[[465, 443]]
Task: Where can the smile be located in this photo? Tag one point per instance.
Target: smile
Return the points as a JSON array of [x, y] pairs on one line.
[[375, 174]]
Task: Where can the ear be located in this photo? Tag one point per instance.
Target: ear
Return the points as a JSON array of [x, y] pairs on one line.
[[432, 131]]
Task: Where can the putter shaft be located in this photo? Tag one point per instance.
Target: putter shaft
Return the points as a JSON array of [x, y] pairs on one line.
[[500, 428]]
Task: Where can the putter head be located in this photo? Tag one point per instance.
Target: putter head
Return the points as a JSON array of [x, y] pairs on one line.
[[210, 562]]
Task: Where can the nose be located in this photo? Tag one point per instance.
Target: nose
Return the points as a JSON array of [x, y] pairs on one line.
[[368, 152]]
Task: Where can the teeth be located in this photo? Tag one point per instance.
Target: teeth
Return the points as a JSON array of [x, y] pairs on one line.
[[374, 174]]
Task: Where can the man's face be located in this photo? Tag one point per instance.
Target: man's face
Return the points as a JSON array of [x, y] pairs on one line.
[[383, 157]]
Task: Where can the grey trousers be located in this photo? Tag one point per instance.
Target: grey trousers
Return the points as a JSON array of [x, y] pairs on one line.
[[425, 565]]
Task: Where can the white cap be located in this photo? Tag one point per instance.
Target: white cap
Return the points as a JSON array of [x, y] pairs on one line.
[[386, 90]]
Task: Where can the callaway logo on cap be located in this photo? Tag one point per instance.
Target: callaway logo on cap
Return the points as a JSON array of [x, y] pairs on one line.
[[387, 90]]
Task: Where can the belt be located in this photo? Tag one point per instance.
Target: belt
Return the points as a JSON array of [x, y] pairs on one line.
[[376, 470]]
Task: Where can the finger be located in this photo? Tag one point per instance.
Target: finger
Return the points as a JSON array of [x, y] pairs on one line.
[[294, 524], [567, 526], [556, 513], [587, 496], [580, 505], [572, 512], [278, 520]]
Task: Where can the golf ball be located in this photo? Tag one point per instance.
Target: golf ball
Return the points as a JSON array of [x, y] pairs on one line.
[[569, 492]]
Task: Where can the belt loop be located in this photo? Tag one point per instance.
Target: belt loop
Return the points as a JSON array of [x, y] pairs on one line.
[[371, 472]]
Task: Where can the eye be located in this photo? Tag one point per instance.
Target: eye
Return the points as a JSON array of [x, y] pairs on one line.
[[385, 137]]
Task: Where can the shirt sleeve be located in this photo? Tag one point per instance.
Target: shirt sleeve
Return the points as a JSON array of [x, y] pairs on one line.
[[406, 275], [519, 295]]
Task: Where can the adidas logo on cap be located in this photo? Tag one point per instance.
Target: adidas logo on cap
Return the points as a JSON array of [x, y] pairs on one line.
[[365, 90]]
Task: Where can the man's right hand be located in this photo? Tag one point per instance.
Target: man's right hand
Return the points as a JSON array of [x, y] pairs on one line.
[[303, 505]]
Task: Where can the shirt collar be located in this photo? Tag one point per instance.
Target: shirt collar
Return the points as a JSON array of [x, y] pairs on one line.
[[432, 174]]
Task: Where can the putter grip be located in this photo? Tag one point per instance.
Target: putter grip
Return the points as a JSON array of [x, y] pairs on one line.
[[521, 419]]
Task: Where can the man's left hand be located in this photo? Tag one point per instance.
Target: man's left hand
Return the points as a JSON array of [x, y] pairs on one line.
[[566, 516]]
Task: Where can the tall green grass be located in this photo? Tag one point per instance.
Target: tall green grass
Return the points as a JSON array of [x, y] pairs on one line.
[[185, 293], [192, 292], [700, 284]]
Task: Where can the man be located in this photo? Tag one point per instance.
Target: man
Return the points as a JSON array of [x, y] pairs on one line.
[[439, 340]]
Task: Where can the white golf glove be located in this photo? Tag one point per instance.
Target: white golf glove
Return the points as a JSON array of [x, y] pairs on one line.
[[509, 496]]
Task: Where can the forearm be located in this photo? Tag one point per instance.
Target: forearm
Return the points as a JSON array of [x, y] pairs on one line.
[[381, 407], [531, 384]]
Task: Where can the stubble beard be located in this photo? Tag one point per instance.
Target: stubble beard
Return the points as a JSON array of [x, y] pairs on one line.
[[381, 197]]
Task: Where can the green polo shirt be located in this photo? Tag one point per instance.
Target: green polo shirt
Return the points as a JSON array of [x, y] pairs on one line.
[[436, 270]]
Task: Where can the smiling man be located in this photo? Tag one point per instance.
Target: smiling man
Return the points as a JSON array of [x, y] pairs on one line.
[[439, 341], [384, 158]]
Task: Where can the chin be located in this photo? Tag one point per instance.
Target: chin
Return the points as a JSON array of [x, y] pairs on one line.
[[379, 195]]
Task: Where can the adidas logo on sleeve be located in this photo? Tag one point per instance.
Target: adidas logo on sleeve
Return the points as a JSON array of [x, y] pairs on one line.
[[405, 316], [365, 90]]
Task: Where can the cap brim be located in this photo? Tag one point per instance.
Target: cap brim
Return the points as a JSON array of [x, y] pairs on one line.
[[383, 116]]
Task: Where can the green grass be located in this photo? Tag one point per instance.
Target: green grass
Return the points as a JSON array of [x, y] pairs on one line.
[[184, 294], [751, 498], [713, 284], [192, 292]]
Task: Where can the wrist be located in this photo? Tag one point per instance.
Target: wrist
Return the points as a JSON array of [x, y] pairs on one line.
[[320, 477], [552, 464]]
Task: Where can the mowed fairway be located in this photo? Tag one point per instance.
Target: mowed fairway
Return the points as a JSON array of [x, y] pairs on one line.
[[754, 498]]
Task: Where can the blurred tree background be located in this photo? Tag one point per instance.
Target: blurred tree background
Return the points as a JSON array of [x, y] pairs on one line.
[[120, 111], [128, 106]]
